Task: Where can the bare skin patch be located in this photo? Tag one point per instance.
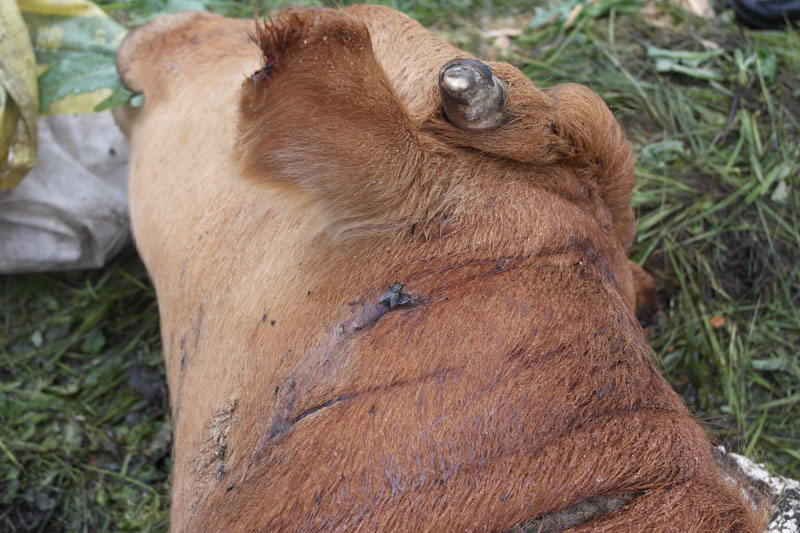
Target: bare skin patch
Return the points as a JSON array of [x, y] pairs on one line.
[[209, 468]]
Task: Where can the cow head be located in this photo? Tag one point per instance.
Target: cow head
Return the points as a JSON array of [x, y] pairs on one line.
[[393, 288]]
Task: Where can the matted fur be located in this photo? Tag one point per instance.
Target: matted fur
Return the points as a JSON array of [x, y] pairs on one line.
[[279, 188]]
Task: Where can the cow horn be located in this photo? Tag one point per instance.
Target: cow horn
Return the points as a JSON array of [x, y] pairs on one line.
[[472, 97]]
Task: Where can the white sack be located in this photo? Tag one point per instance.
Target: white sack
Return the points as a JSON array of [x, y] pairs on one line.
[[783, 492], [71, 210]]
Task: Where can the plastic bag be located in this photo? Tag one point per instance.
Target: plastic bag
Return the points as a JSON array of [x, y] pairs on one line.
[[70, 211], [19, 98]]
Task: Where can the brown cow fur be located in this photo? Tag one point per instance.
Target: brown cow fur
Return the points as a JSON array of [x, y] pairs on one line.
[[278, 190]]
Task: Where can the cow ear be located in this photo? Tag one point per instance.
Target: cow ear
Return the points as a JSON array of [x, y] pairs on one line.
[[320, 120], [598, 147]]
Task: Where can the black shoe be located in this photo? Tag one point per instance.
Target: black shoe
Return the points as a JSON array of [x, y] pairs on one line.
[[766, 14]]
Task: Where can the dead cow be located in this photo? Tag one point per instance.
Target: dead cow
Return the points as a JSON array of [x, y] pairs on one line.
[[393, 289]]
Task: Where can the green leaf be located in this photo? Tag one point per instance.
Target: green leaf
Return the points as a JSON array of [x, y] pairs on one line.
[[118, 97], [56, 37], [559, 11], [76, 75], [685, 62], [150, 9], [101, 497], [94, 343], [685, 57], [173, 6], [660, 153], [781, 193], [767, 62], [556, 11], [666, 65]]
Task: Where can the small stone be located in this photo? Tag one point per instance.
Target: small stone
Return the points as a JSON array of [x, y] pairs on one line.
[[37, 338]]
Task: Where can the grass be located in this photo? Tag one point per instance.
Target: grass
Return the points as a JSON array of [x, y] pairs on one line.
[[84, 428], [713, 112]]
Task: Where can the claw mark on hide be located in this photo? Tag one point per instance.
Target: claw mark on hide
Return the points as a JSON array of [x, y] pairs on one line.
[[368, 312], [285, 419], [282, 425], [197, 330], [198, 325], [313, 410], [183, 353]]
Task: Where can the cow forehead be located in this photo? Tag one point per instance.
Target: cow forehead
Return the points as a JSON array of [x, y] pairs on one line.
[[410, 55]]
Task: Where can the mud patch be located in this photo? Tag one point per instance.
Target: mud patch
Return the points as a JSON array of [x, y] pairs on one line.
[[577, 514], [207, 467]]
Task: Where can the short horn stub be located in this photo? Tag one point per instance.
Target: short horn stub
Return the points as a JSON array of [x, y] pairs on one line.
[[472, 97]]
